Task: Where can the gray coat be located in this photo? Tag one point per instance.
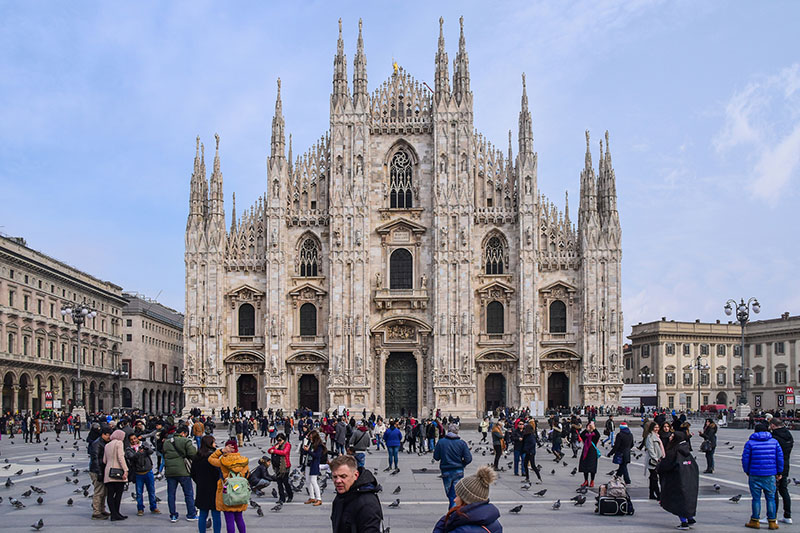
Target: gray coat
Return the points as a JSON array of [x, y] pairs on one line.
[[341, 433]]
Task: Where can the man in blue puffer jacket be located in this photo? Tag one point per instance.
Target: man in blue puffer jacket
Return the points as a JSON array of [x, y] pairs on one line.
[[453, 455], [762, 461]]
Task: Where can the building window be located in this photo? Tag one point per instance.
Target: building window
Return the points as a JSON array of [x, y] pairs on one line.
[[175, 373], [737, 375], [126, 367], [400, 182], [628, 363], [25, 344], [780, 375], [645, 350], [670, 379], [688, 401], [401, 270], [308, 320], [670, 348], [495, 318], [52, 311], [721, 377], [25, 299], [758, 379], [704, 349], [737, 350], [164, 375], [705, 379], [758, 349], [705, 399], [11, 298], [558, 317], [11, 346], [687, 378], [247, 320], [494, 256], [687, 349], [309, 256], [39, 304], [129, 337], [721, 349], [152, 371], [38, 347], [671, 402], [51, 349], [129, 322], [779, 348]]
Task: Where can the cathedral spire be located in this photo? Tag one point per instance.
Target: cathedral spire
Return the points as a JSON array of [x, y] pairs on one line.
[[203, 180], [609, 185], [360, 71], [278, 128], [340, 90], [587, 211], [289, 158], [566, 210], [196, 200], [442, 78], [461, 67], [215, 198], [525, 124], [233, 214]]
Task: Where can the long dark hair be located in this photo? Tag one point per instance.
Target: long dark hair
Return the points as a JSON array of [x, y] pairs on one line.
[[315, 439], [206, 446]]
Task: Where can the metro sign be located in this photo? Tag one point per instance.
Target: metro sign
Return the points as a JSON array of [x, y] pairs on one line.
[[790, 391]]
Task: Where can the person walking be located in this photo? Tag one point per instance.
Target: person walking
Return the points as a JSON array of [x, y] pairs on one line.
[[498, 443], [762, 461], [359, 442], [484, 428], [138, 456], [621, 452], [555, 440], [230, 461], [205, 476], [380, 429], [453, 455], [97, 473], [76, 430], [609, 430], [316, 451], [786, 441], [709, 444], [115, 473], [393, 438], [281, 464], [356, 506], [680, 479], [178, 450], [589, 454], [654, 450], [517, 441], [340, 435], [529, 443], [198, 430], [472, 510]]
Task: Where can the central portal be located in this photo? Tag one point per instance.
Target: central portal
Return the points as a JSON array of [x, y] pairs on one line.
[[557, 390], [309, 392], [495, 388], [247, 392], [401, 384]]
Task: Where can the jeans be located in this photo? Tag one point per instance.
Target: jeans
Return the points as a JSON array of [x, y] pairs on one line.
[[339, 449], [216, 522], [622, 472], [767, 485], [431, 444], [519, 459], [449, 479], [360, 458], [379, 442], [393, 455], [161, 461], [148, 480], [197, 441], [783, 492], [188, 493], [609, 438]]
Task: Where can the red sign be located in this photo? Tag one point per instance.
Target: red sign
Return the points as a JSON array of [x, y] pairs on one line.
[[48, 395], [790, 391], [790, 399]]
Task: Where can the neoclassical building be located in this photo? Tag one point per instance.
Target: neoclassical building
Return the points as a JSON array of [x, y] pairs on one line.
[[403, 263]]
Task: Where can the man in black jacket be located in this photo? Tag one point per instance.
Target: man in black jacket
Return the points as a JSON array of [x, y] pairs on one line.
[[97, 450], [621, 451], [356, 508], [786, 442]]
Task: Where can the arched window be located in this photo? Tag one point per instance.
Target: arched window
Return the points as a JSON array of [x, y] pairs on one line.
[[494, 318], [401, 270], [558, 317], [308, 320], [400, 191], [309, 257], [247, 320], [494, 256]]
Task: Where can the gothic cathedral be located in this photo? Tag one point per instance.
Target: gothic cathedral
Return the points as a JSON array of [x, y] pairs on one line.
[[402, 264]]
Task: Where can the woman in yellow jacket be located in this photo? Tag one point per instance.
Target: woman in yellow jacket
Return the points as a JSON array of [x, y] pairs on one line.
[[229, 460]]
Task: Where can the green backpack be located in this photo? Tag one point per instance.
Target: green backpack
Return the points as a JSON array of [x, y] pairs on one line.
[[235, 490]]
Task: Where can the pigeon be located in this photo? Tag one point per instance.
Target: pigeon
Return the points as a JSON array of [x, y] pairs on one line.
[[736, 498], [76, 481], [69, 502], [516, 509], [36, 473], [576, 498], [18, 472], [77, 491], [395, 503], [582, 490], [731, 447], [86, 494], [277, 507], [86, 487], [38, 525], [526, 486], [37, 490], [18, 504], [716, 487], [553, 472], [5, 460], [557, 505], [36, 460], [397, 490], [40, 500], [60, 459], [728, 442], [259, 511], [564, 463], [274, 493], [581, 500], [796, 481], [541, 492], [574, 471], [27, 493], [7, 466]]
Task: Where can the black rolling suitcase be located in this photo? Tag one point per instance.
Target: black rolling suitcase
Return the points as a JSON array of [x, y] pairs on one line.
[[608, 506]]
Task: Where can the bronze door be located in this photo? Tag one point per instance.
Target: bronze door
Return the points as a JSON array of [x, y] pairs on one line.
[[495, 390], [557, 390], [401, 384], [247, 393], [308, 388]]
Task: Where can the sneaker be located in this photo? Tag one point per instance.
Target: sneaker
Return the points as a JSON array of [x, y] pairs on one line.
[[191, 519], [785, 520], [140, 512], [173, 519], [683, 526], [99, 517], [691, 521]]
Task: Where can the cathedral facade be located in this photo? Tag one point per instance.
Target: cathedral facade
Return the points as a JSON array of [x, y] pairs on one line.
[[402, 264]]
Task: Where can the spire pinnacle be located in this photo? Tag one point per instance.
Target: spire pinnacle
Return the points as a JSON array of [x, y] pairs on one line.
[[360, 70], [525, 123], [461, 70], [588, 158], [278, 126], [233, 214], [339, 70], [216, 156], [442, 77]]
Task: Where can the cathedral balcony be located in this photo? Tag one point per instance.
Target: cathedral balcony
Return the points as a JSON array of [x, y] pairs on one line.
[[248, 341], [401, 298], [495, 340], [308, 342], [494, 215], [558, 339]]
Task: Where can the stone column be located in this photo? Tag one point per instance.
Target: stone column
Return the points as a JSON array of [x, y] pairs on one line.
[[15, 398], [30, 398]]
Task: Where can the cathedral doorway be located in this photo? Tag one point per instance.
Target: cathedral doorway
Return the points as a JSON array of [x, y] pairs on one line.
[[308, 388], [557, 390], [401, 384], [495, 390], [247, 392]]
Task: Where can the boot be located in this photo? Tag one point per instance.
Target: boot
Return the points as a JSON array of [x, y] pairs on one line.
[[753, 524], [773, 524]]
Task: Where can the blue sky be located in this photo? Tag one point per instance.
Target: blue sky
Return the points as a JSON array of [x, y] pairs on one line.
[[100, 104]]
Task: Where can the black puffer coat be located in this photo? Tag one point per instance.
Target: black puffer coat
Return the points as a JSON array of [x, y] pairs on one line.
[[205, 477], [679, 479], [358, 510]]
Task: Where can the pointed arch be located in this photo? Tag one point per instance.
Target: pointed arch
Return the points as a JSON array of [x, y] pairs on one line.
[[401, 163], [308, 263], [495, 253]]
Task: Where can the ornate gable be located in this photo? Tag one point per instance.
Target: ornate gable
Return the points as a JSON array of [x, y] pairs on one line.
[[495, 290], [245, 294], [306, 292]]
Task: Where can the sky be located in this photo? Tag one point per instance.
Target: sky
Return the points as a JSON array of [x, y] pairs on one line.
[[100, 104]]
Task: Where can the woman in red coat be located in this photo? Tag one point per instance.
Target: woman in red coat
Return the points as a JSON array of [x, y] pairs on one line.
[[281, 464]]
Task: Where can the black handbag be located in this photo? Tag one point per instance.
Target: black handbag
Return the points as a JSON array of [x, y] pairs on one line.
[[116, 473], [705, 446]]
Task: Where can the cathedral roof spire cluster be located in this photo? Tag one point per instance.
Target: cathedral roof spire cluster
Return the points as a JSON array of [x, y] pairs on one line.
[[360, 73], [525, 123], [278, 143]]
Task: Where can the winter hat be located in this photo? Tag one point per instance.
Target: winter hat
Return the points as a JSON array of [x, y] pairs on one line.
[[233, 443], [623, 424], [473, 489], [452, 428]]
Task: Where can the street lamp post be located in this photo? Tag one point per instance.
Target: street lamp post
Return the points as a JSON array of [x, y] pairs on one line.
[[79, 314], [645, 376], [743, 316], [699, 367]]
